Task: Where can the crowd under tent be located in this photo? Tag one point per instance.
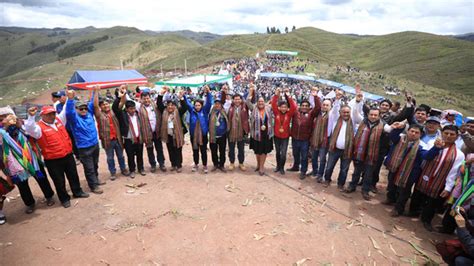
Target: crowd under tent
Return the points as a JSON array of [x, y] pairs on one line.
[[87, 79]]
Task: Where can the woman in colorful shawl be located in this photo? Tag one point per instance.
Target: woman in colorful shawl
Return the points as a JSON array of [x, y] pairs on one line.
[[261, 129], [199, 127], [404, 165], [20, 161]]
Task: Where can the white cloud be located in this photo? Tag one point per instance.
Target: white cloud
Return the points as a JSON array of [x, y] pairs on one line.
[[246, 16]]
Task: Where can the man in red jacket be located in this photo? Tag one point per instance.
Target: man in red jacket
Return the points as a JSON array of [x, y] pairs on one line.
[[56, 148], [282, 126], [301, 127]]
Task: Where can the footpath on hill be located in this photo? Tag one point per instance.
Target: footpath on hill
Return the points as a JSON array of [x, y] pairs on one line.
[[233, 218]]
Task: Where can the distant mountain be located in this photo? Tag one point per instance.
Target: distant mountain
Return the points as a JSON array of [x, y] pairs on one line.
[[200, 37], [466, 37]]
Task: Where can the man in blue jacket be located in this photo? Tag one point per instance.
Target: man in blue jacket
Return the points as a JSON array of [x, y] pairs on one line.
[[199, 127], [404, 165], [80, 115]]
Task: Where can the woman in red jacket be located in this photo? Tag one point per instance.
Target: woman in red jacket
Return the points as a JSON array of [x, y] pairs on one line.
[[283, 111]]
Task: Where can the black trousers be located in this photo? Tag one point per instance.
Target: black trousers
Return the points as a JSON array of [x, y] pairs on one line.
[[378, 166], [403, 194], [427, 204], [134, 150], [218, 151], [73, 141], [25, 191], [159, 152], [175, 153], [281, 147], [392, 189], [200, 149], [90, 162], [57, 168]]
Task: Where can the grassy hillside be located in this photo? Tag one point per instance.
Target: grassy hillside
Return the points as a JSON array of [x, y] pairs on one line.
[[432, 66]]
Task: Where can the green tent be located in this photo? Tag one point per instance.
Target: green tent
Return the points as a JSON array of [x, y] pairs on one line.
[[281, 52], [196, 81]]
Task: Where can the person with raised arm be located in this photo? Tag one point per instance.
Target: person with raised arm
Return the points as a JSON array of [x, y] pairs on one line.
[[199, 127], [346, 118], [150, 128], [80, 117], [320, 139], [56, 148], [109, 133], [218, 128], [366, 150], [261, 129], [238, 114], [301, 126], [172, 130], [437, 177], [282, 111], [130, 122]]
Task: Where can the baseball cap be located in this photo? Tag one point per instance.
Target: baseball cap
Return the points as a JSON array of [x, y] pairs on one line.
[[80, 103], [433, 119], [47, 109]]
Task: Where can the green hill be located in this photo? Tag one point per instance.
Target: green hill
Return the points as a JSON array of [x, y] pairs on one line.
[[429, 65]]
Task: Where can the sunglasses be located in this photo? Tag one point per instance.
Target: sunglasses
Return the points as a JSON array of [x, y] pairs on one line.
[[82, 108]]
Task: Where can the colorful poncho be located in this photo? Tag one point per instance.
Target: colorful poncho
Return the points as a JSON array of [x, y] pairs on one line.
[[19, 159]]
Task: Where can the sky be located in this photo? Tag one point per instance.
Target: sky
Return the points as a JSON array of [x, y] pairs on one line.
[[446, 17]]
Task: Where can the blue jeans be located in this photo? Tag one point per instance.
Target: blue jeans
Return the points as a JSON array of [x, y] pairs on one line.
[[359, 168], [318, 170], [240, 151], [344, 166], [300, 154], [115, 146]]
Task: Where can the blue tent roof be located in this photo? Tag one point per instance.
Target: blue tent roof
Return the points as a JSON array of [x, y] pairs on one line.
[[85, 78]]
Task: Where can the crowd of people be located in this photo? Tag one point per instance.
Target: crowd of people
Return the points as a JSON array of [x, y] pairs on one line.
[[429, 160]]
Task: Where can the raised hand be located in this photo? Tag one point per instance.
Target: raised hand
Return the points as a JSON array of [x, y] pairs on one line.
[[314, 91], [71, 94], [277, 92], [439, 143], [32, 111]]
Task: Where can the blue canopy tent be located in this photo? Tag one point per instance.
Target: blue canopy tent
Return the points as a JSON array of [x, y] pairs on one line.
[[87, 79], [351, 90]]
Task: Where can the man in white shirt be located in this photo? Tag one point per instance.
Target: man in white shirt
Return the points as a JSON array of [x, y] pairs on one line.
[[56, 148], [151, 116], [340, 144]]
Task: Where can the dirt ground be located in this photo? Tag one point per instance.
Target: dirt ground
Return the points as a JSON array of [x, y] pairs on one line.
[[192, 218]]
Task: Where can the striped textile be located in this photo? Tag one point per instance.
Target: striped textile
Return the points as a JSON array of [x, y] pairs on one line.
[[349, 137], [432, 183]]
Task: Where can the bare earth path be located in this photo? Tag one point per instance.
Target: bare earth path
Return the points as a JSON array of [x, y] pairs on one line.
[[192, 218]]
